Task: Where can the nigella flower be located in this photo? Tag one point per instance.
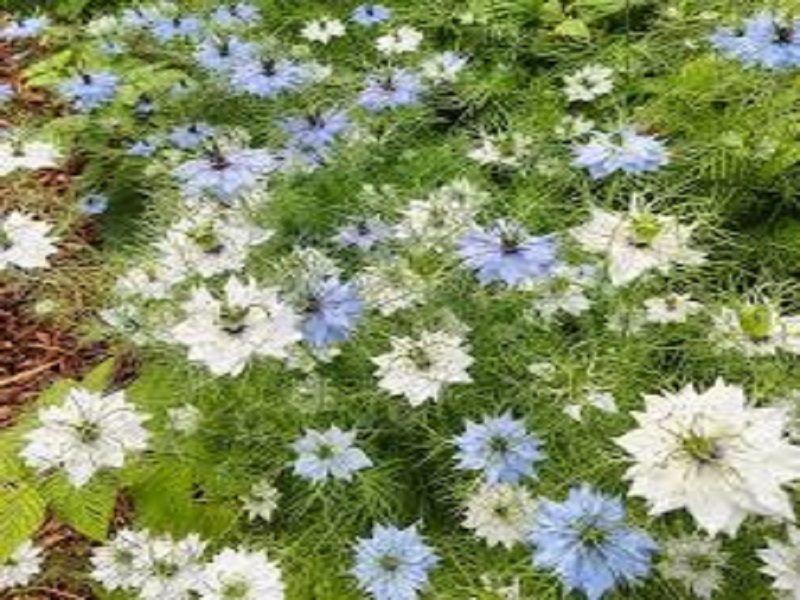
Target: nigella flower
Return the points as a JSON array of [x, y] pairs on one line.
[[236, 15], [332, 309], [623, 150], [225, 175], [223, 55], [6, 92], [506, 253], [190, 136], [765, 40], [587, 542], [393, 564], [142, 148], [144, 107], [94, 204], [316, 129], [166, 29], [371, 14], [363, 234], [501, 447], [328, 454], [266, 78], [88, 91], [399, 87], [24, 28]]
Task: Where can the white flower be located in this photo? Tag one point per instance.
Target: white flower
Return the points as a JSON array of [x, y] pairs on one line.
[[507, 150], [262, 501], [712, 454], [210, 242], [242, 575], [226, 334], [153, 282], [572, 127], [391, 286], [782, 563], [757, 329], [564, 291], [589, 83], [172, 569], [88, 432], [323, 30], [637, 242], [419, 369], [694, 561], [403, 40], [500, 514], [542, 369], [24, 242], [116, 565], [674, 308], [443, 67], [184, 419], [602, 401], [442, 218], [28, 155], [21, 567]]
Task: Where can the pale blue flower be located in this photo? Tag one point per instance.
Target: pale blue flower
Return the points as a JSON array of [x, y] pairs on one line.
[[142, 148], [331, 309], [224, 55], [190, 136], [94, 204], [393, 564], [167, 29], [371, 14], [765, 40], [399, 87], [267, 78], [623, 150], [236, 15], [328, 454], [588, 544], [227, 175], [139, 17], [144, 108], [500, 447], [506, 253], [89, 91], [6, 92], [315, 130], [363, 234], [24, 28]]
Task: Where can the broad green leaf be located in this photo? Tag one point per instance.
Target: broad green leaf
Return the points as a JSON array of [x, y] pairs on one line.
[[99, 378], [88, 509], [50, 70], [22, 512], [575, 29]]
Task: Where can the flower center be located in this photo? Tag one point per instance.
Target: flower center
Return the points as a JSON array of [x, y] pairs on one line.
[[644, 230], [701, 449], [232, 319], [235, 590], [498, 445], [756, 322], [509, 243], [389, 563], [206, 238], [420, 358], [5, 239], [165, 569], [88, 432], [123, 557], [700, 563], [592, 535], [325, 452], [784, 34]]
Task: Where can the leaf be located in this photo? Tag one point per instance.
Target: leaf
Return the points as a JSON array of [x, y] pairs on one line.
[[22, 512], [575, 29], [99, 378], [88, 509], [50, 70]]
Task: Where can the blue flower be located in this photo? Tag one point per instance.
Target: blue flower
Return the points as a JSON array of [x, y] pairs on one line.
[[25, 28], [363, 233], [267, 78], [187, 137], [331, 309], [764, 41], [501, 447], [90, 90], [586, 541], [322, 455], [139, 18], [142, 148], [225, 176], [94, 204], [6, 92], [224, 55], [393, 564], [166, 29], [239, 14], [506, 253], [316, 130], [623, 150], [144, 108], [400, 87], [371, 14]]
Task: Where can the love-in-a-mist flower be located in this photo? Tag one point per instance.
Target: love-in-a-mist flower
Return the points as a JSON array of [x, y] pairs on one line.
[[187, 137], [393, 564], [694, 561], [266, 78], [673, 308], [713, 454], [89, 91], [371, 14], [317, 129], [505, 252], [27, 28], [224, 55], [21, 567], [393, 89], [94, 204], [586, 541], [261, 501], [623, 150], [500, 513], [6, 93], [505, 150], [421, 368], [25, 242], [331, 309], [330, 454], [782, 563], [226, 333], [564, 291], [757, 328], [31, 154], [637, 242], [117, 563], [589, 83], [241, 14], [391, 286], [499, 447], [88, 432], [403, 40], [766, 40], [363, 233], [241, 575], [167, 29], [323, 30], [172, 568]]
